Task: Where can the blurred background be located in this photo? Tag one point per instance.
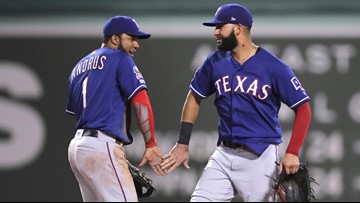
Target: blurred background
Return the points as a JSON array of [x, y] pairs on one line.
[[41, 41]]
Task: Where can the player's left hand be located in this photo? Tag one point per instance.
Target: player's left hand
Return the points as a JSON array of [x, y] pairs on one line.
[[291, 164], [153, 155]]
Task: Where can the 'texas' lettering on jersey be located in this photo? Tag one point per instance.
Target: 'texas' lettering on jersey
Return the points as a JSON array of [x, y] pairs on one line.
[[223, 85], [92, 63]]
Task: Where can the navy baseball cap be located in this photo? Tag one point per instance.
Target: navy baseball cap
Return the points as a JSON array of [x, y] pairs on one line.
[[231, 13], [123, 24]]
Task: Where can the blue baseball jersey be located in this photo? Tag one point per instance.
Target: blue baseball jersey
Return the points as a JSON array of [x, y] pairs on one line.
[[100, 86], [248, 97]]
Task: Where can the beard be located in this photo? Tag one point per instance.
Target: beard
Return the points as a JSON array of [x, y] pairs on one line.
[[228, 43], [121, 48]]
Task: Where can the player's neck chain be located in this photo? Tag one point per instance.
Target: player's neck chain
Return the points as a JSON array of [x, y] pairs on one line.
[[252, 53]]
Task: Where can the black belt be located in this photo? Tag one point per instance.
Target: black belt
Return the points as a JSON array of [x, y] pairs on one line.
[[95, 133], [231, 145]]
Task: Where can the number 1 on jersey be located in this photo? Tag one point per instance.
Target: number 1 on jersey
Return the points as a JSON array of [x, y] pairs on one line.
[[84, 86]]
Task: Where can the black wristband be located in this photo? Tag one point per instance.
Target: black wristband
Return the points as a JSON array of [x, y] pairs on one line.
[[185, 133]]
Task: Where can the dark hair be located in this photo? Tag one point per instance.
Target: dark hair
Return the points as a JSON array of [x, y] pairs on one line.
[[106, 39]]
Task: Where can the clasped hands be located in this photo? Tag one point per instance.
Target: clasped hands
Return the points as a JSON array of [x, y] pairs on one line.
[[165, 164]]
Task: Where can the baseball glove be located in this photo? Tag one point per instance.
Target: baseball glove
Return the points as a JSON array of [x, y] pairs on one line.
[[143, 185], [295, 187]]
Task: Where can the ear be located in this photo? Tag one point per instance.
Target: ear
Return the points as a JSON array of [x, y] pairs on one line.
[[115, 40], [238, 29]]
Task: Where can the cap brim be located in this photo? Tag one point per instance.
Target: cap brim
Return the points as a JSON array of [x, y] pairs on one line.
[[141, 34], [144, 36], [212, 23]]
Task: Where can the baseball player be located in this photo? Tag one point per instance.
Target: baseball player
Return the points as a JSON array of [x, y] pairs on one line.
[[102, 86], [249, 84]]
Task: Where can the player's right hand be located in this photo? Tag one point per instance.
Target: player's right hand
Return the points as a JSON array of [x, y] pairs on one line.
[[153, 155], [177, 155]]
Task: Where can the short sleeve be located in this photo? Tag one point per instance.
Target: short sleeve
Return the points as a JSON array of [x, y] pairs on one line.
[[289, 88], [129, 78], [201, 83]]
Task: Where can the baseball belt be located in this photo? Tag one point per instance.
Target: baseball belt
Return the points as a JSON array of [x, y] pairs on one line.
[[95, 133], [232, 145]]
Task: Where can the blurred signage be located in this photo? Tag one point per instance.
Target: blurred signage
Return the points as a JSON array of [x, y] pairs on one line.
[[35, 131]]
